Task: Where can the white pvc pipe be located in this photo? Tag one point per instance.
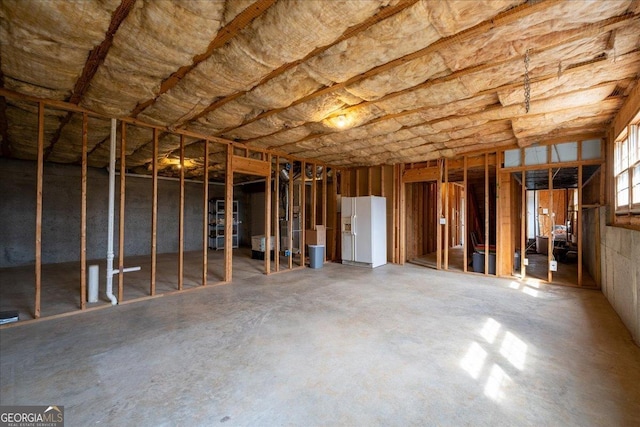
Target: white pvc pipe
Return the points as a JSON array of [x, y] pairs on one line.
[[111, 212], [94, 274]]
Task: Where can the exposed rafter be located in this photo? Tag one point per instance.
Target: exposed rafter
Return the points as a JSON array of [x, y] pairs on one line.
[[505, 18], [225, 34], [95, 59]]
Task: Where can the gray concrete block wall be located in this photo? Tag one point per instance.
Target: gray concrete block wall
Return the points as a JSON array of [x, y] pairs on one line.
[[620, 266], [61, 213]]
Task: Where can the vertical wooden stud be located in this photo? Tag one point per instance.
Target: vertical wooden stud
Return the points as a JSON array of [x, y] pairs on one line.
[[324, 209], [181, 219], [446, 215], [40, 173], [205, 214], [486, 214], [314, 198], [290, 219], [466, 214], [83, 215], [302, 214], [551, 216], [438, 197], [154, 213], [228, 216], [369, 183], [357, 172], [276, 215], [267, 220], [579, 225], [402, 244], [523, 224], [123, 166]]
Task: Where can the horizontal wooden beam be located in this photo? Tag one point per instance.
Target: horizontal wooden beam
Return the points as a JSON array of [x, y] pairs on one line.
[[421, 174], [251, 166], [472, 162]]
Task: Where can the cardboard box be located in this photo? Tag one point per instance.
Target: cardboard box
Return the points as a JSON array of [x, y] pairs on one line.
[[258, 243], [317, 236]]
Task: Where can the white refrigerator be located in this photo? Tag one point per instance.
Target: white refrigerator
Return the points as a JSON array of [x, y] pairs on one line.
[[364, 231]]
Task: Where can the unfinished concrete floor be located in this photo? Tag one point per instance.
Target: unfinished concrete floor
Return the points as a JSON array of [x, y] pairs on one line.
[[61, 282], [398, 345]]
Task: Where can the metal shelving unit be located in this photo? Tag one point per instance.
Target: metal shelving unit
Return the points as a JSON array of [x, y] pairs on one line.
[[217, 221]]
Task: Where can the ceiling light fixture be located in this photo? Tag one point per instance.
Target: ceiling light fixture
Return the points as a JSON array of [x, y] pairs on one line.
[[342, 121]]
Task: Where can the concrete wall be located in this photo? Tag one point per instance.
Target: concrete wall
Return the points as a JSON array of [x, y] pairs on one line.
[[620, 266], [61, 214], [591, 243]]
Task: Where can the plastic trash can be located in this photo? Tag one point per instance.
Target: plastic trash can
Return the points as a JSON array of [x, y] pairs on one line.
[[316, 256]]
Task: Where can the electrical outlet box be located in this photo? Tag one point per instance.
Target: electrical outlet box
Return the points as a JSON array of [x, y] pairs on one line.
[[553, 265], [526, 261], [443, 221]]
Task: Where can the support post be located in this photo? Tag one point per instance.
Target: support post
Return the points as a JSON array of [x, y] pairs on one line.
[[303, 209], [523, 226], [40, 173], [486, 214], [579, 225], [154, 213], [552, 220], [325, 198], [276, 215], [123, 146], [447, 218], [267, 220], [314, 197], [290, 219], [83, 215], [439, 216], [402, 217], [181, 219], [228, 216], [466, 215], [205, 215]]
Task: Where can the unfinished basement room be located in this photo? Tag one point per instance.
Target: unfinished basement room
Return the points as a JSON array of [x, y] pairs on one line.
[[320, 212]]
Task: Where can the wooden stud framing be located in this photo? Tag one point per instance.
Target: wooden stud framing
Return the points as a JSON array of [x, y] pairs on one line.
[[314, 197], [154, 214], [267, 221], [276, 215], [40, 173], [205, 215], [369, 183], [438, 196], [486, 214], [123, 152], [302, 214], [498, 216], [466, 214], [290, 219], [447, 219], [83, 215], [579, 226], [181, 219], [228, 216], [402, 215], [325, 197], [523, 224], [550, 239]]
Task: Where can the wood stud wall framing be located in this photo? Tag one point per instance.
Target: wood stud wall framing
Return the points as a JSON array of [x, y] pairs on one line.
[[123, 175], [345, 182]]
